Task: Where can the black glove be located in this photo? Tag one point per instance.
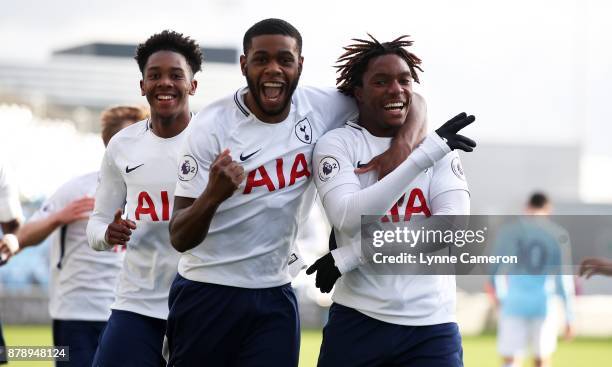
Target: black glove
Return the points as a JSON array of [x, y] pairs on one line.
[[448, 132], [327, 272]]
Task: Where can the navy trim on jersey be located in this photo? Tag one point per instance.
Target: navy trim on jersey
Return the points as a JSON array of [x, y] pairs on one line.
[[240, 106], [63, 231], [332, 241], [353, 125]]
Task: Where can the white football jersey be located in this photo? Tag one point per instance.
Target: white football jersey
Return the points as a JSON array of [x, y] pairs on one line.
[[83, 281], [398, 299], [139, 172], [10, 208], [249, 239]]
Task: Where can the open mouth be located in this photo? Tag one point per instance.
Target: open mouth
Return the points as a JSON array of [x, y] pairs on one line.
[[272, 91], [165, 97], [394, 106]]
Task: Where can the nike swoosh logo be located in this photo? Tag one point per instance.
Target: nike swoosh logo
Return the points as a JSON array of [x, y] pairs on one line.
[[245, 157], [128, 169], [359, 165]]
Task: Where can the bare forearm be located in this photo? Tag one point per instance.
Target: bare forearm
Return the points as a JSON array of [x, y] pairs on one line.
[[33, 233], [10, 227], [606, 268], [189, 226], [414, 129]]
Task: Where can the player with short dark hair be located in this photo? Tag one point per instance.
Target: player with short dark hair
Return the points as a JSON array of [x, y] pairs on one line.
[[138, 174], [539, 201], [172, 41], [525, 292], [268, 27], [79, 310], [245, 187], [384, 320]]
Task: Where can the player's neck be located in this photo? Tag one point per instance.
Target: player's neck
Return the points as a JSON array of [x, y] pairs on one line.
[[253, 106], [376, 129], [169, 126]]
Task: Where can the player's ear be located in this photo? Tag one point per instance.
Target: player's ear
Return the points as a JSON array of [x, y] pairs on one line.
[[243, 61], [300, 64], [142, 92], [358, 92], [193, 87]]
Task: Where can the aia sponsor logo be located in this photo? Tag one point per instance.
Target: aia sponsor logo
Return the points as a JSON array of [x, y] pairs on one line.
[[146, 207], [262, 175], [416, 204]]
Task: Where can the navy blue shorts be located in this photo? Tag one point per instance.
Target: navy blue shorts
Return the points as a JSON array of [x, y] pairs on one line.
[[131, 339], [216, 325], [81, 337], [352, 339], [2, 345]]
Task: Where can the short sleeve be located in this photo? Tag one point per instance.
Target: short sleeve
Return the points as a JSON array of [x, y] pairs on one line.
[[335, 107], [447, 175], [333, 164], [200, 148], [10, 207], [55, 202]]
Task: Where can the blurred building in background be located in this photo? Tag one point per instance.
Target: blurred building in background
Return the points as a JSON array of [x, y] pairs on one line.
[[77, 83]]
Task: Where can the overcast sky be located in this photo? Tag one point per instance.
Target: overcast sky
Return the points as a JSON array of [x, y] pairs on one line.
[[519, 65], [532, 70]]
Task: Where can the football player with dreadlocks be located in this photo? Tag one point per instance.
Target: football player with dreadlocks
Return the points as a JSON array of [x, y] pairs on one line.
[[386, 320], [240, 201]]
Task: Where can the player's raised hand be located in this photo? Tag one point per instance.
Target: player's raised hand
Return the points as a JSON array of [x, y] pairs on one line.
[[9, 246], [327, 273], [225, 176], [120, 230], [78, 209], [449, 130], [593, 266]]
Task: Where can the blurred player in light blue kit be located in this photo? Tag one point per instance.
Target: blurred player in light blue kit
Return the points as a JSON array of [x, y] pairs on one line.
[[526, 292]]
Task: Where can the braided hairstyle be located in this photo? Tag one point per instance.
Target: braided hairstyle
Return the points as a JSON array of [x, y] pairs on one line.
[[353, 63]]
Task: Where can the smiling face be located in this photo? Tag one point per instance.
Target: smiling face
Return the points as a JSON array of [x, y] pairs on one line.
[[167, 83], [385, 95], [272, 67]]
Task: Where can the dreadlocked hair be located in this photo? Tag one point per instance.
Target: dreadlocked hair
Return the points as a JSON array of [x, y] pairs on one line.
[[353, 63]]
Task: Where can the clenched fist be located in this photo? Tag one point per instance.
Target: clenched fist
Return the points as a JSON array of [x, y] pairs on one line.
[[225, 176], [119, 231]]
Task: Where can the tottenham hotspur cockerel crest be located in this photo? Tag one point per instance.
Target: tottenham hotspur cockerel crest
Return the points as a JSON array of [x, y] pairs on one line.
[[303, 131]]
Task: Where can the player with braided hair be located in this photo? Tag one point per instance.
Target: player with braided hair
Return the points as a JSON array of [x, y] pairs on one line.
[[353, 63], [400, 319]]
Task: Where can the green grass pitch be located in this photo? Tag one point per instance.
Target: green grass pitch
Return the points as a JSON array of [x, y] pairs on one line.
[[478, 351]]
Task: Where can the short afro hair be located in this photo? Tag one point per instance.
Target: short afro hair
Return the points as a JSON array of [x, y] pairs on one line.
[[170, 41], [271, 26]]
